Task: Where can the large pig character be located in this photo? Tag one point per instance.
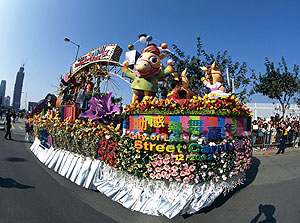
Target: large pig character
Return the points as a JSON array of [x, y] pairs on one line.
[[148, 71]]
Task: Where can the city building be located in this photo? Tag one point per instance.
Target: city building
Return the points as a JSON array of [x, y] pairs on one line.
[[6, 101], [31, 105], [18, 88], [2, 91]]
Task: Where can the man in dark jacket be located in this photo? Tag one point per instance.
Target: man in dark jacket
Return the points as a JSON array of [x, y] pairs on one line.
[[283, 137], [8, 126]]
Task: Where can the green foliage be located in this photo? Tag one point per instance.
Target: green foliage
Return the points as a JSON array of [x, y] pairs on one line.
[[237, 70], [279, 83]]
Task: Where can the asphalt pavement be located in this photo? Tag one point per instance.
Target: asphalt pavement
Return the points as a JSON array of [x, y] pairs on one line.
[[30, 192]]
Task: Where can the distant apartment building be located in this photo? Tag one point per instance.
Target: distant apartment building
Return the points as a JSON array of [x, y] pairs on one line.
[[2, 91], [18, 88], [6, 101]]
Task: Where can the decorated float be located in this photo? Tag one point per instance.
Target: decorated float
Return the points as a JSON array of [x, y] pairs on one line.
[[160, 156]]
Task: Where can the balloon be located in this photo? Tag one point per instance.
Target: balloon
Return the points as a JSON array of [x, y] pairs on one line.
[[194, 137], [170, 62], [163, 136], [185, 136], [147, 135], [164, 46], [142, 39], [154, 134], [149, 38], [130, 46], [174, 137]]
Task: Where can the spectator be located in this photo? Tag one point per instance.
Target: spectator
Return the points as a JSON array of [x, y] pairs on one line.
[[8, 126], [283, 135]]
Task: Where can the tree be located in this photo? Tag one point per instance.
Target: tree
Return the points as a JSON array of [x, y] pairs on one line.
[[278, 83], [238, 71]]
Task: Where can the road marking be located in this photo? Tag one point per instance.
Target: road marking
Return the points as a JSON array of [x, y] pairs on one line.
[[20, 128], [274, 154]]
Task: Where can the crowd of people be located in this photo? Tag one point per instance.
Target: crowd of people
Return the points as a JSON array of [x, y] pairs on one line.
[[275, 132]]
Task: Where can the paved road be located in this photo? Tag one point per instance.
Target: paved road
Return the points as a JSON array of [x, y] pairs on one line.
[[29, 192]]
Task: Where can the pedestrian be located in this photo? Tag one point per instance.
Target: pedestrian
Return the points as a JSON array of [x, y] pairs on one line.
[[14, 116], [8, 126], [283, 136]]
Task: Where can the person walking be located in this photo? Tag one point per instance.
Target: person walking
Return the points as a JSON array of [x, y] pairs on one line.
[[283, 136], [8, 126]]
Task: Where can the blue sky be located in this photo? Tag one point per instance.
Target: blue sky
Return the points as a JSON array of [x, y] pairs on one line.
[[35, 29]]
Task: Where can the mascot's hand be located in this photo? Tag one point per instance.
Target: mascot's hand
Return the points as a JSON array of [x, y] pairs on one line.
[[125, 66]]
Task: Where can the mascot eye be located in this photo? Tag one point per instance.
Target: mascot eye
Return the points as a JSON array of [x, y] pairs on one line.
[[153, 59]]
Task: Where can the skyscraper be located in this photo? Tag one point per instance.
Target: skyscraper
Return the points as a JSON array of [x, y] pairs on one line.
[[18, 88], [2, 90]]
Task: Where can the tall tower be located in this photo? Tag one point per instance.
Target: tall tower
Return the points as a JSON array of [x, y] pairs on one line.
[[2, 91], [18, 88]]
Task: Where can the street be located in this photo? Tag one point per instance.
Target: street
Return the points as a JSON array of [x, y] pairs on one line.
[[29, 192]]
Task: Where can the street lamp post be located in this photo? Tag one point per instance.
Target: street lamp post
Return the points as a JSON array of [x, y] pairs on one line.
[[78, 46]]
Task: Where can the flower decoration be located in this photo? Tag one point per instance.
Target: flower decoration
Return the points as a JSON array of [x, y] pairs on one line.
[[100, 109], [226, 106]]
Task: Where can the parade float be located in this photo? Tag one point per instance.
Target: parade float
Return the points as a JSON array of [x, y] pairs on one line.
[[161, 157]]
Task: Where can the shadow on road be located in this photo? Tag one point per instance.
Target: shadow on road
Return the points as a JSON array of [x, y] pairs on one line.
[[250, 177], [14, 159], [268, 211], [11, 183], [22, 141]]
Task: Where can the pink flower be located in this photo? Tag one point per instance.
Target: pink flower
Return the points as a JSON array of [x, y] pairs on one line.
[[186, 180], [170, 179], [204, 167], [241, 170], [149, 169], [210, 173], [185, 166], [192, 168], [187, 172], [152, 175], [174, 168], [178, 178], [166, 161], [172, 162], [163, 174], [158, 176], [167, 176], [160, 157], [167, 156], [184, 146], [174, 174], [159, 162], [177, 162], [154, 164], [191, 176], [203, 174], [157, 169], [167, 167], [182, 173], [245, 159]]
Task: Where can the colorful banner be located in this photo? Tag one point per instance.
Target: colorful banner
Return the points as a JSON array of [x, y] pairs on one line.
[[110, 52], [215, 127]]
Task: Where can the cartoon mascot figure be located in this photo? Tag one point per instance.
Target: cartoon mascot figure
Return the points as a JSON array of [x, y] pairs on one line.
[[148, 71]]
